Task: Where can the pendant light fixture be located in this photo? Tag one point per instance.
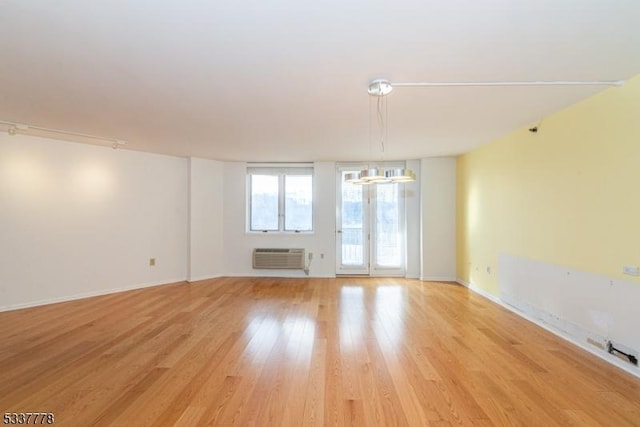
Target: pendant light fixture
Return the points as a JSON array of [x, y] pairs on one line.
[[380, 88], [400, 175]]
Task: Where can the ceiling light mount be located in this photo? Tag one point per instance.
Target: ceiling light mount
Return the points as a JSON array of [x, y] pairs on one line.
[[118, 143], [380, 87]]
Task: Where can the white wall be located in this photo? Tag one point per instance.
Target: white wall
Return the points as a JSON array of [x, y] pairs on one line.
[[438, 200], [239, 244], [206, 219], [412, 196], [587, 308], [79, 220]]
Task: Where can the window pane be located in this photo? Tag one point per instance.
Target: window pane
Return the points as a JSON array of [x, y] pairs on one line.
[[388, 237], [264, 202], [352, 223], [298, 202]]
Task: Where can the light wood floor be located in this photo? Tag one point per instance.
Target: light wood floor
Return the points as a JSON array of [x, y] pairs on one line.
[[238, 351]]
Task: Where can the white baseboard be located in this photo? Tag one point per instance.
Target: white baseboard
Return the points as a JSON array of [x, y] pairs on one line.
[[83, 295], [438, 279], [201, 278], [280, 276], [611, 359]]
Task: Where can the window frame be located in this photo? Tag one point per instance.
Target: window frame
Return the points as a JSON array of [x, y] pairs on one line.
[[281, 171]]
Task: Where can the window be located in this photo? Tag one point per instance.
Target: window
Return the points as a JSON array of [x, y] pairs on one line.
[[280, 198]]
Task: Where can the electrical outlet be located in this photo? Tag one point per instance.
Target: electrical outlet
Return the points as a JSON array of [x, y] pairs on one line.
[[631, 270], [152, 262], [321, 256]]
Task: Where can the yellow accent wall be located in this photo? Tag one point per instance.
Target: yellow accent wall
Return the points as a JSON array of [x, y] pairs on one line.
[[568, 195]]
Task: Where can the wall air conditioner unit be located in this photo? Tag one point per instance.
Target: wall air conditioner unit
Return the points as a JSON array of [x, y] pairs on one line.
[[278, 258]]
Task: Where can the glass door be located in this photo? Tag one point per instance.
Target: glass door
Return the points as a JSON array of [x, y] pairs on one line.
[[370, 227], [352, 226], [388, 230]]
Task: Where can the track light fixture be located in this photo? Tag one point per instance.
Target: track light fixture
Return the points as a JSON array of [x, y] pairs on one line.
[[14, 128]]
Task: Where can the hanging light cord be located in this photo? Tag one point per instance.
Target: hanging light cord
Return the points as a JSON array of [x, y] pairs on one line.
[[380, 121], [370, 134], [385, 145]]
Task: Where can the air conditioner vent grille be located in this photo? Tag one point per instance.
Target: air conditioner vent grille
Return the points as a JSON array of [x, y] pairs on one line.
[[280, 258]]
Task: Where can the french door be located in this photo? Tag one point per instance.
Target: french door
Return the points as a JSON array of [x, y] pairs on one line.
[[370, 228]]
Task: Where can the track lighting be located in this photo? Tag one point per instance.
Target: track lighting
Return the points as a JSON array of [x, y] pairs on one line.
[[14, 128]]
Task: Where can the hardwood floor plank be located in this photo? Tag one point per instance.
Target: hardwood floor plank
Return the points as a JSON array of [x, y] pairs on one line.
[[315, 396], [270, 351], [190, 417]]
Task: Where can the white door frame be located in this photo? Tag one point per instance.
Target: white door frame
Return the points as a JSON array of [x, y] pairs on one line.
[[370, 265]]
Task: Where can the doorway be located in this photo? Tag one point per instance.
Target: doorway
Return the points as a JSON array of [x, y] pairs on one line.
[[370, 227]]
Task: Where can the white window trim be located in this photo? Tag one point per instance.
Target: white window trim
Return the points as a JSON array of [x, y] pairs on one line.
[[280, 170]]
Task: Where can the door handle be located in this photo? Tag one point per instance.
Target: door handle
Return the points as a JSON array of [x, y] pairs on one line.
[[339, 231]]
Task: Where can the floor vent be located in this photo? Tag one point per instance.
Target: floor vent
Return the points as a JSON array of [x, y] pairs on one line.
[[278, 258]]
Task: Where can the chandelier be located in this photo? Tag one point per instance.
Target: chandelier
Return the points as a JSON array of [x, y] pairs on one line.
[[379, 89]]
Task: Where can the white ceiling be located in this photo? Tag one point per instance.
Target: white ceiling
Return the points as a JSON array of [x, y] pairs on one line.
[[286, 80]]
